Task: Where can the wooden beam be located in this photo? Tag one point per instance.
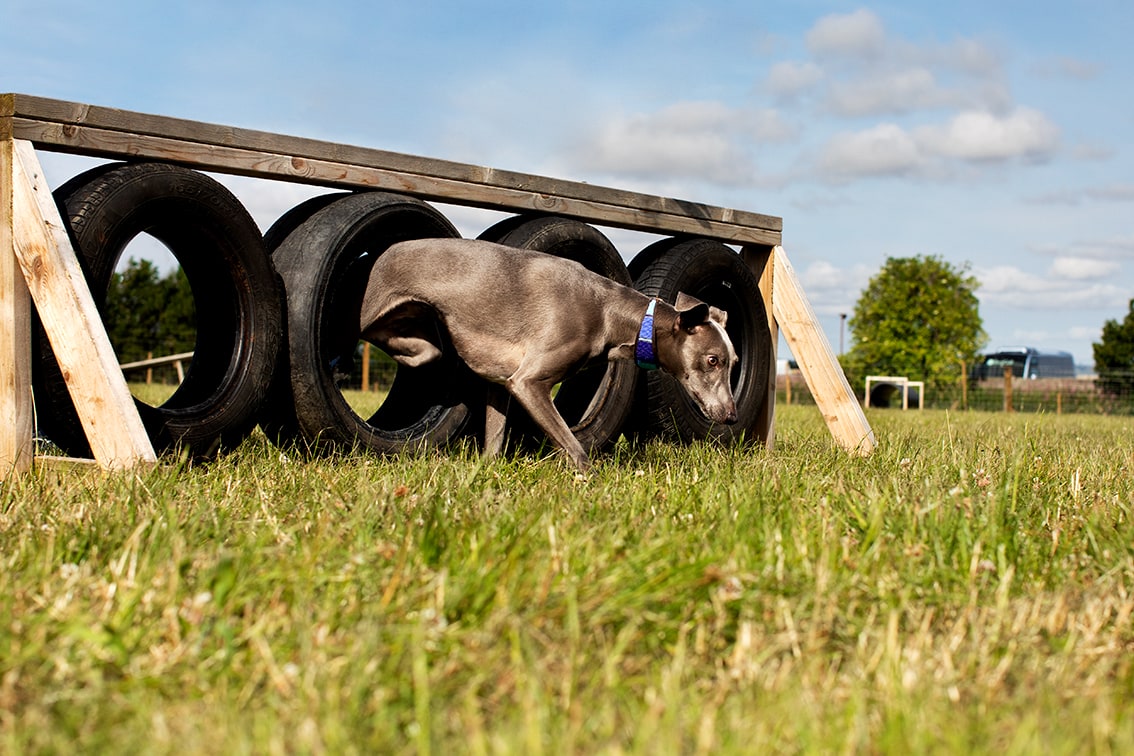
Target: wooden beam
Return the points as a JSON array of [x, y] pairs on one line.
[[108, 132], [17, 428], [602, 207], [71, 320], [817, 361]]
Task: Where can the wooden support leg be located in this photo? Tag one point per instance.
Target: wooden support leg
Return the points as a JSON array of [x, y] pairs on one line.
[[817, 361], [17, 446], [71, 320]]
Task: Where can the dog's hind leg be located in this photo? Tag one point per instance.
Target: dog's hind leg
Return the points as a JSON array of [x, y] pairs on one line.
[[409, 333], [495, 418]]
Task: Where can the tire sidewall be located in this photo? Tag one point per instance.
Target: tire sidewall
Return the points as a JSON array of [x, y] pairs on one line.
[[220, 249], [712, 272], [324, 264]]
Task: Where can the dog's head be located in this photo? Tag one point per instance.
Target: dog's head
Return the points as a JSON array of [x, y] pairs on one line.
[[701, 356]]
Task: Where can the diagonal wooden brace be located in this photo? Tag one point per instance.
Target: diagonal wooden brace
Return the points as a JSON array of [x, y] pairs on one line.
[[818, 363], [37, 238]]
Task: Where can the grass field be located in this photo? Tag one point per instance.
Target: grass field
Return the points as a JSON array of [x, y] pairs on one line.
[[969, 588]]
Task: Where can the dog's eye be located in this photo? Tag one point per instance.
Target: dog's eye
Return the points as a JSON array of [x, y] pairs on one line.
[[714, 360]]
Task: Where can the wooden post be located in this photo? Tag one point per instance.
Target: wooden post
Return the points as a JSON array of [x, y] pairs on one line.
[[17, 429], [1008, 389], [817, 361], [69, 316], [964, 387], [1059, 402], [149, 370], [366, 366], [787, 388]]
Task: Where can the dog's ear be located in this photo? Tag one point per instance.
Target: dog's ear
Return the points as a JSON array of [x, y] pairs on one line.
[[692, 312], [688, 319], [685, 302]]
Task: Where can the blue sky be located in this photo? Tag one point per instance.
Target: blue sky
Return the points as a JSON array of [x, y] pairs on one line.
[[994, 135]]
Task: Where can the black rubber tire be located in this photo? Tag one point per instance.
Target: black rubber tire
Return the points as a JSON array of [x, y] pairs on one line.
[[277, 412], [597, 401], [715, 274], [647, 255], [237, 302], [324, 264]]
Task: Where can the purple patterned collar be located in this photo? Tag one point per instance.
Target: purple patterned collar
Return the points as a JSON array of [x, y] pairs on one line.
[[644, 353]]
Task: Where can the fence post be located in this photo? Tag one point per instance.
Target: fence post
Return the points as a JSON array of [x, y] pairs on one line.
[[964, 387], [366, 366], [1008, 389]]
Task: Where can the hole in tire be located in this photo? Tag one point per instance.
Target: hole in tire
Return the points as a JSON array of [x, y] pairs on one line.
[[150, 315], [397, 401], [365, 390]]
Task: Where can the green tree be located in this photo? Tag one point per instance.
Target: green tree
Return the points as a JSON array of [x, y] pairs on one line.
[[146, 314], [918, 317], [1114, 356]]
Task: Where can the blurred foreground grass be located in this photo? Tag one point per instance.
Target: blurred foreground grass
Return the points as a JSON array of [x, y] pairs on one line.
[[967, 588]]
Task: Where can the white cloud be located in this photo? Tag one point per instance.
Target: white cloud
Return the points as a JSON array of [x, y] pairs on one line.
[[1107, 248], [886, 149], [823, 275], [831, 289], [267, 200], [1085, 333], [890, 150], [858, 34], [984, 136], [968, 55], [896, 92], [1008, 285], [705, 140], [1082, 268], [790, 78], [866, 71], [684, 139]]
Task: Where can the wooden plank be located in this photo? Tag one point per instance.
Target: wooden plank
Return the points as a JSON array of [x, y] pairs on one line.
[[759, 260], [157, 361], [50, 123], [104, 143], [17, 428], [71, 320], [817, 361]]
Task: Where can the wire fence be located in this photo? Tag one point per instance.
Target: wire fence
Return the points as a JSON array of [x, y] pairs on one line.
[[1112, 395]]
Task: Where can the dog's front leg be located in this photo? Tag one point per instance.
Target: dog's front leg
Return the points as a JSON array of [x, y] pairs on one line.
[[536, 399], [495, 418]]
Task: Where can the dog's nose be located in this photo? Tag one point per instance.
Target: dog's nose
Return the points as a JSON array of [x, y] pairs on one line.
[[730, 416]]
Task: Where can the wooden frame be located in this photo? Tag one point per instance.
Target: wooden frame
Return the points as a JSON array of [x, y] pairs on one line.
[[902, 382], [38, 242], [35, 236]]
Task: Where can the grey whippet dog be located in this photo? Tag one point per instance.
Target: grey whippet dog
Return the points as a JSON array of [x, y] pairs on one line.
[[526, 320]]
